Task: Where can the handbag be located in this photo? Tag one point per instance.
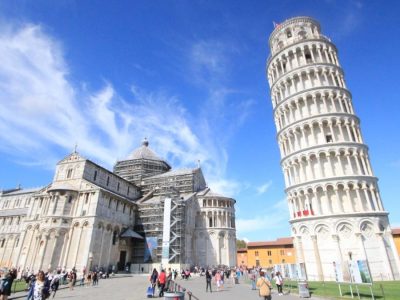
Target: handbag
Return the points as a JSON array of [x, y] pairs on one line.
[[3, 285]]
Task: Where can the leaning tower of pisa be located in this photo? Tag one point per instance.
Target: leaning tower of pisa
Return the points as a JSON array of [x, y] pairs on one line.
[[336, 212]]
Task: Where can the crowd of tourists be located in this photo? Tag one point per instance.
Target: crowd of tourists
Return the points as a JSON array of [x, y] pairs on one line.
[[216, 278], [41, 285]]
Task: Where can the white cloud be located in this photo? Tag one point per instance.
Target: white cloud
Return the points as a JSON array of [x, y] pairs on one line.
[[264, 188], [265, 220], [43, 113]]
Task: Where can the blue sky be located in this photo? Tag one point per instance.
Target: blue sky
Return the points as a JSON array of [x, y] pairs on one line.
[[190, 76]]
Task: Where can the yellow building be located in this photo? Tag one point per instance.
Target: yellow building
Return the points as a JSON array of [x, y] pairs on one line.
[[269, 253], [241, 257], [396, 238]]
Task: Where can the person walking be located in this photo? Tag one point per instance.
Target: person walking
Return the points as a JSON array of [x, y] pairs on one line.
[[279, 282], [40, 290], [162, 278], [218, 280], [253, 279], [95, 278], [6, 283], [153, 280], [169, 278], [71, 280], [208, 281], [264, 287], [55, 283]]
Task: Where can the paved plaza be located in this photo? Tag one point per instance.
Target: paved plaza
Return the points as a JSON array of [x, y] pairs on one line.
[[134, 288]]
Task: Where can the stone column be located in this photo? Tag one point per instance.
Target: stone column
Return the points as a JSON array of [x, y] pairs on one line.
[[11, 252], [29, 249], [367, 199], [345, 270], [70, 237], [385, 257], [317, 258], [45, 241], [357, 189], [56, 236], [22, 241], [300, 250], [63, 250], [348, 196], [35, 251], [110, 248], [372, 191], [395, 255]]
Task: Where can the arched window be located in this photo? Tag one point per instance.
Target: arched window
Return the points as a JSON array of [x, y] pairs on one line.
[[288, 34], [114, 238], [308, 57]]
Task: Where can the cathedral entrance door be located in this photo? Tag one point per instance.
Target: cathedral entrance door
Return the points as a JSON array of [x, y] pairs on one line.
[[122, 260]]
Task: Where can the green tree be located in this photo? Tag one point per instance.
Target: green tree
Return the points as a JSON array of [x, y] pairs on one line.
[[241, 244]]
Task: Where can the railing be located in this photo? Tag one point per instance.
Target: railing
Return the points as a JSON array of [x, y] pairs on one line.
[[176, 287]]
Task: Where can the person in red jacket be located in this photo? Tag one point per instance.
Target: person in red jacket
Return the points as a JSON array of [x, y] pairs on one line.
[[162, 278]]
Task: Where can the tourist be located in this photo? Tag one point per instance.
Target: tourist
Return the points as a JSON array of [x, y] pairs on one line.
[[222, 279], [233, 276], [71, 279], [6, 283], [218, 280], [95, 278], [208, 281], [153, 279], [40, 289], [253, 279], [279, 282], [169, 278], [89, 279], [161, 283], [265, 286], [55, 283]]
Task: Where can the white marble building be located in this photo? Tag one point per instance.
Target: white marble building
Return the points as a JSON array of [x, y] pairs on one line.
[[91, 217], [336, 212]]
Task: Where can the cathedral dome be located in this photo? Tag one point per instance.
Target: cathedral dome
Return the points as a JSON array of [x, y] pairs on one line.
[[141, 163], [144, 152]]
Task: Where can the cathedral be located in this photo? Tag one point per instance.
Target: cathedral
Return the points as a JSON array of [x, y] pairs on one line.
[[142, 215]]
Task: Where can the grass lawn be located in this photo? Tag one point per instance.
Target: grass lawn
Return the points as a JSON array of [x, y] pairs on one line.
[[382, 290], [18, 286]]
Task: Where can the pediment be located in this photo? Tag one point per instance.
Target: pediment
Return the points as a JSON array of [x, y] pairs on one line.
[[72, 157]]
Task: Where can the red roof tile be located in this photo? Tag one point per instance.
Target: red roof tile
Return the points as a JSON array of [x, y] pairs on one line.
[[278, 242], [395, 230]]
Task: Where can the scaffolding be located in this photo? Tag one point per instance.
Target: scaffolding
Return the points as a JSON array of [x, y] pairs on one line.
[[149, 223]]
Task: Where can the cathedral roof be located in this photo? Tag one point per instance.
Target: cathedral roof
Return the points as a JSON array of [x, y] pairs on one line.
[[18, 191], [176, 172], [144, 152], [211, 194], [57, 186]]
